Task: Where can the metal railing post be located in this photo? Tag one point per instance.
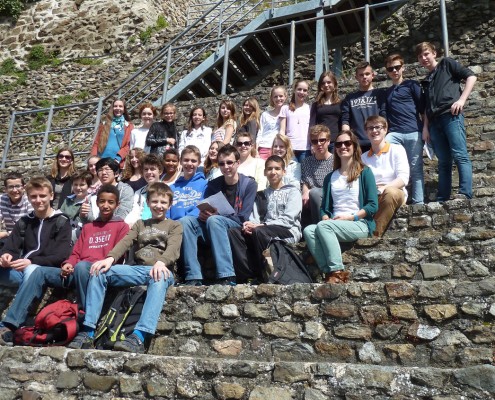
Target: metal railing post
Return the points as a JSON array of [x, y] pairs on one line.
[[367, 32], [220, 18], [167, 76], [319, 43], [445, 33], [45, 137], [98, 118], [8, 139], [225, 70], [292, 51], [337, 62]]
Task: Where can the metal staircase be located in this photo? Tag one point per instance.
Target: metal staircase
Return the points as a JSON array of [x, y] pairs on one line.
[[229, 47]]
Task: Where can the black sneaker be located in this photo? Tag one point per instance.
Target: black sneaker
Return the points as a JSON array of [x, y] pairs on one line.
[[193, 282], [131, 344], [6, 336], [228, 281], [81, 341]]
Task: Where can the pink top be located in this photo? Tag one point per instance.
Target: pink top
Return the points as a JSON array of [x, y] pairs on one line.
[[297, 126]]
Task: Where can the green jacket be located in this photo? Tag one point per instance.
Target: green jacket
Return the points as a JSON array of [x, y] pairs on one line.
[[368, 197]]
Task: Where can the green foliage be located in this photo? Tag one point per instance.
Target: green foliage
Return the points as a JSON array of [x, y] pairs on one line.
[[88, 61], [132, 39], [38, 57], [63, 100], [44, 104], [11, 8], [144, 36], [206, 54], [8, 68], [83, 95]]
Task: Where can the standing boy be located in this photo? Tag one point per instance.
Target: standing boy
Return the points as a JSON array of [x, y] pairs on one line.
[[276, 215], [358, 106], [444, 122], [240, 191], [157, 242], [405, 106], [14, 203], [189, 189], [96, 240], [42, 237]]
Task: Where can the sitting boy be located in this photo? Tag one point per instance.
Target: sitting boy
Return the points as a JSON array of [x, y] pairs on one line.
[[81, 181], [96, 240], [189, 189], [276, 215], [14, 203], [157, 247], [42, 237], [240, 191]]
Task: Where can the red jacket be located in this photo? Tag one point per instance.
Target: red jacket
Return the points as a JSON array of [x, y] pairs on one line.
[[96, 240], [124, 148]]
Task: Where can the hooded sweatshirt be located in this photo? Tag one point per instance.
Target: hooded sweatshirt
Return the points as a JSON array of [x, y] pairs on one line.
[[44, 243], [187, 193]]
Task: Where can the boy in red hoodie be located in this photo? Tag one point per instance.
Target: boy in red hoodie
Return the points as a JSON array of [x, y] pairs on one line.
[[96, 240]]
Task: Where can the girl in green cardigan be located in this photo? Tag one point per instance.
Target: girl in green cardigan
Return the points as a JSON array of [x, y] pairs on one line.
[[350, 200]]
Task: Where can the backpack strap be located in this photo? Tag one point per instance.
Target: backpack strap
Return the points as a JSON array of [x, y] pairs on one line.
[[261, 204], [120, 317]]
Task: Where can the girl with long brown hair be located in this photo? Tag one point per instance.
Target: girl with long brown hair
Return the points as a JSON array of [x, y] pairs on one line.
[[350, 200]]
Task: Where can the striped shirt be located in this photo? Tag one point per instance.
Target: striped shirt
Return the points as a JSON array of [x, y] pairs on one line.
[[11, 213]]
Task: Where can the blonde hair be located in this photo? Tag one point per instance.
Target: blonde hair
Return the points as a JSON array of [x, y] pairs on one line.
[[255, 115], [289, 152]]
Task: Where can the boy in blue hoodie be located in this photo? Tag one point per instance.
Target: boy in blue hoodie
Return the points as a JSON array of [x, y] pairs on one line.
[[189, 189]]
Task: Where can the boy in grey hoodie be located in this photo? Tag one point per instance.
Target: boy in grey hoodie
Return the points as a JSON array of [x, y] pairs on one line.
[[276, 215]]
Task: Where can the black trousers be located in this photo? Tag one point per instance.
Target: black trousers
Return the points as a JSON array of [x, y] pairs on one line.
[[247, 249]]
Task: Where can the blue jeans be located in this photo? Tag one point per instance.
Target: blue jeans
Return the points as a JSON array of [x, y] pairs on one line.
[[215, 230], [34, 288], [12, 278], [413, 144], [448, 138], [323, 240], [301, 155], [126, 276]]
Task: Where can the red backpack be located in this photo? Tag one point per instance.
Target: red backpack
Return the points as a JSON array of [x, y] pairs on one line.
[[55, 325]]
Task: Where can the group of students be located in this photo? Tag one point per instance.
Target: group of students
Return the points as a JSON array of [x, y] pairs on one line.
[[272, 172]]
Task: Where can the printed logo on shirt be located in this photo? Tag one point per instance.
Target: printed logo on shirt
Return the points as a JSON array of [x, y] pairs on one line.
[[187, 197], [364, 101], [99, 239]]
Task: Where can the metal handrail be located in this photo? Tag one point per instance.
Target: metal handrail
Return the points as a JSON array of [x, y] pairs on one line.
[[78, 125]]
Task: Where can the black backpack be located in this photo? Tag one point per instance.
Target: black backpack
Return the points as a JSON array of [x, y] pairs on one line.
[[286, 266], [122, 317]]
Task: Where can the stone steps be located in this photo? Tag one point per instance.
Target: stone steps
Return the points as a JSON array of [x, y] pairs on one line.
[[58, 373]]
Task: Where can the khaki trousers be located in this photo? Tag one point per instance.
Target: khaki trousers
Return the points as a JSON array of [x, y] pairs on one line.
[[388, 203]]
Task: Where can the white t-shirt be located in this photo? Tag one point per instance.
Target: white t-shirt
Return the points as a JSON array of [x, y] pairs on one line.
[[345, 195], [297, 126], [138, 139], [197, 137], [269, 127]]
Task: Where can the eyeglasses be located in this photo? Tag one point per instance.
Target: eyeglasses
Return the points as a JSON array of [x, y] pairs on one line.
[[104, 169], [394, 68], [247, 143], [228, 163], [346, 143], [15, 187], [374, 128], [318, 141], [63, 156]]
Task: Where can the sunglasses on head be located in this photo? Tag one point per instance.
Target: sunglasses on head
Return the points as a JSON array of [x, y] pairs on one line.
[[246, 143], [318, 141], [224, 163], [346, 143], [394, 68]]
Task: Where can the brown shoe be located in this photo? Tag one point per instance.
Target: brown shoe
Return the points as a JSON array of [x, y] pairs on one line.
[[337, 277]]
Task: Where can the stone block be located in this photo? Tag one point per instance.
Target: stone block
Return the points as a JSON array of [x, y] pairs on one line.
[[188, 328], [388, 331], [227, 347], [399, 290], [305, 310], [227, 390], [290, 373], [218, 293], [283, 309], [202, 311], [433, 271], [216, 328], [474, 356], [339, 310], [473, 308], [429, 377], [434, 290], [338, 352], [368, 354], [403, 311], [479, 377], [287, 330], [353, 331], [404, 354], [475, 269], [423, 332], [99, 382], [261, 311], [241, 369], [245, 329], [265, 290], [67, 380], [230, 311], [362, 273], [188, 388], [313, 330], [328, 292], [243, 292], [373, 315], [423, 221], [130, 385], [406, 271], [270, 393], [440, 312]]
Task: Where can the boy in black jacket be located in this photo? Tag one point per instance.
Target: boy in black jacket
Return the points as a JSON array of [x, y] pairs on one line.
[[43, 237]]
